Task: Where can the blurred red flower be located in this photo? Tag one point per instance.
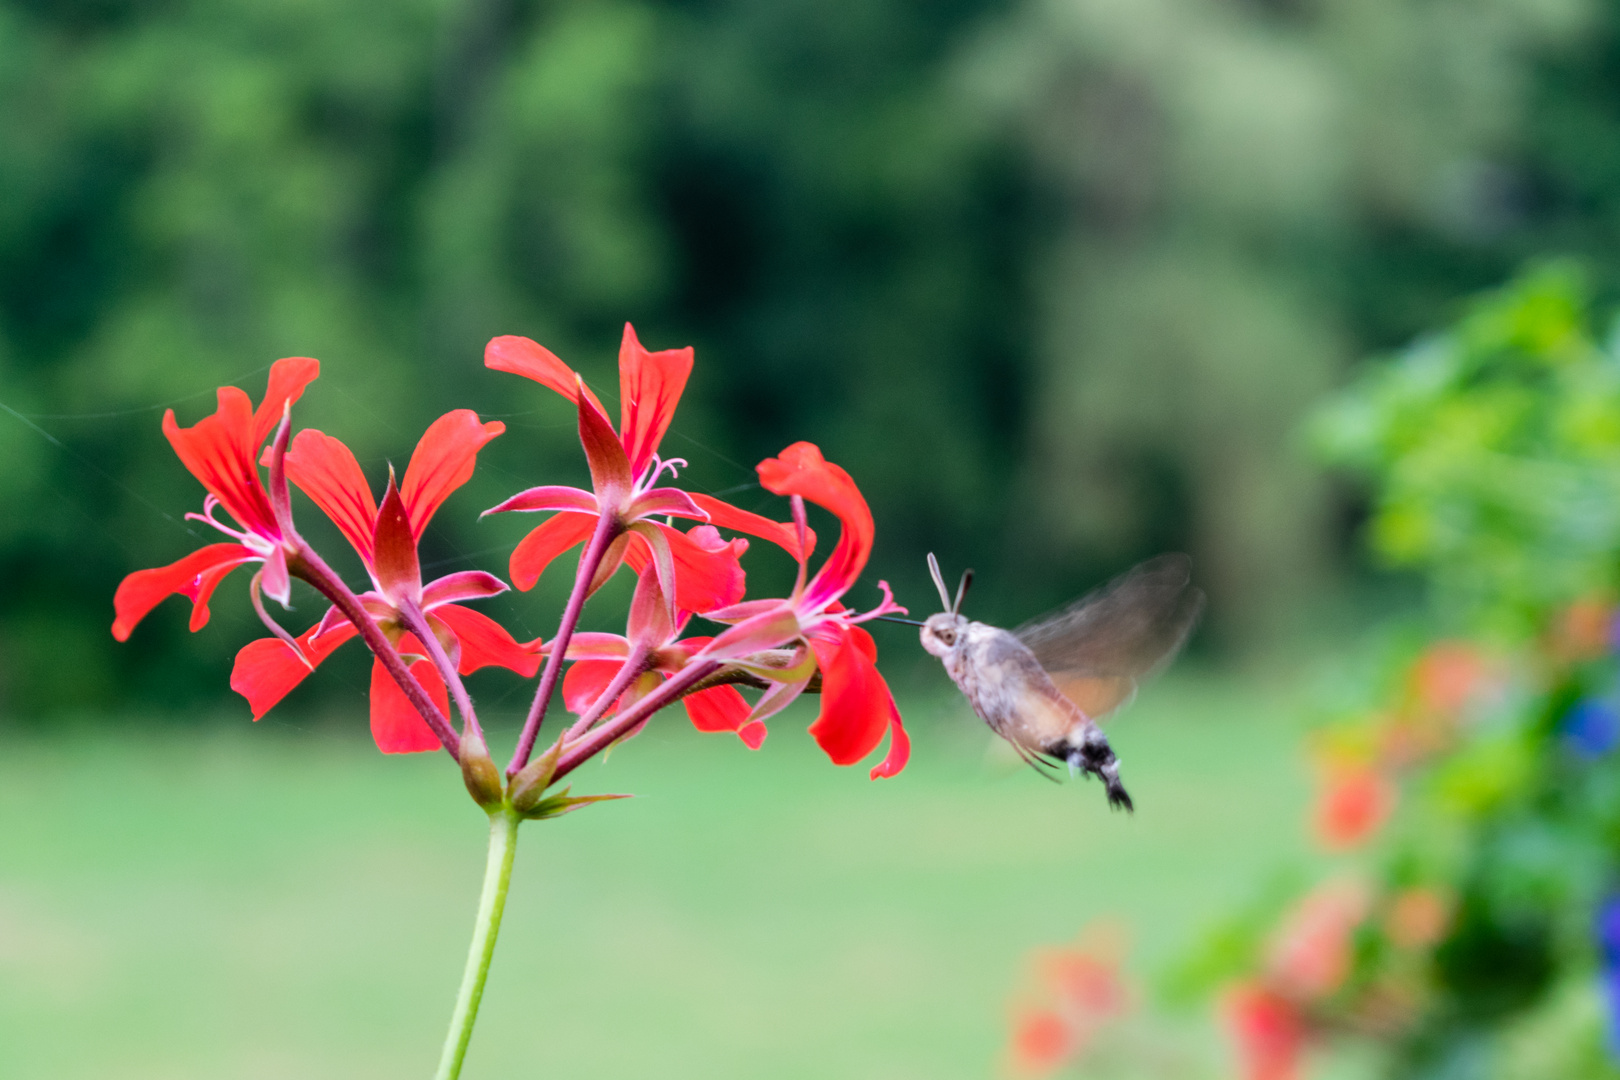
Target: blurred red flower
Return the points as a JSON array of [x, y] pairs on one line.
[[1353, 802], [1042, 1042], [1268, 1030], [1310, 954]]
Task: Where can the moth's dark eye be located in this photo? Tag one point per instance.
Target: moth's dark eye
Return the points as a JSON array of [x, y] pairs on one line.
[[947, 635]]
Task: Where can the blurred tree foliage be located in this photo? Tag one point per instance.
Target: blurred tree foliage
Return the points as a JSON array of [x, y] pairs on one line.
[[1055, 280]]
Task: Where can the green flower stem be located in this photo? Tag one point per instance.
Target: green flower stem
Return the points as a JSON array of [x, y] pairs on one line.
[[503, 828]]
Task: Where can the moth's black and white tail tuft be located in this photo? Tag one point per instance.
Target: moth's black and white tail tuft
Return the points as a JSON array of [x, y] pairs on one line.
[[1093, 756]]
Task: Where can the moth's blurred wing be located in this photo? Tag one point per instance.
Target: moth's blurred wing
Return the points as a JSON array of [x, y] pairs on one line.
[[1096, 696], [1097, 648]]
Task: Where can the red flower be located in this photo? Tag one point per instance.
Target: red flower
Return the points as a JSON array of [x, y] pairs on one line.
[[1269, 1032], [856, 705], [386, 539], [1311, 954], [625, 466], [222, 451], [1354, 803], [1042, 1042], [656, 651]]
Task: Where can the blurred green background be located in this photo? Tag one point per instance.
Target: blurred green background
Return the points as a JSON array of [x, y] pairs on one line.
[[1057, 280]]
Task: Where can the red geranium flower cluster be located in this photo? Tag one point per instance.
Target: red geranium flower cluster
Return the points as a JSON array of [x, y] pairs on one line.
[[423, 637]]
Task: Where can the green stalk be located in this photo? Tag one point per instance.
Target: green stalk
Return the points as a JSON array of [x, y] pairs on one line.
[[503, 827]]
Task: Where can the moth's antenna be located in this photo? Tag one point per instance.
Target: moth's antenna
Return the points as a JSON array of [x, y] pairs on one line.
[[961, 591], [939, 582]]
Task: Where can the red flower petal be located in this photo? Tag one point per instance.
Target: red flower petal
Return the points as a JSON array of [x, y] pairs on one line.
[[664, 502], [443, 460], [780, 533], [396, 727], [650, 385], [548, 497], [590, 645], [801, 470], [585, 682], [462, 585], [288, 378], [720, 708], [649, 623], [899, 750], [706, 578], [521, 356], [218, 450], [856, 706], [395, 563], [266, 670], [194, 577], [611, 477], [485, 642], [545, 542], [752, 734], [775, 626], [326, 470]]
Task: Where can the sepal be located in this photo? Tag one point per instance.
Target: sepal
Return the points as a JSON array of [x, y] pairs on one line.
[[529, 786], [479, 771], [562, 803]]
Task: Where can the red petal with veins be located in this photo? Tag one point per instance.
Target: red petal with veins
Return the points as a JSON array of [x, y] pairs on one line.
[[550, 497], [720, 708], [547, 541], [752, 734], [585, 682], [326, 470], [650, 385], [266, 670], [218, 450], [394, 560], [706, 578], [856, 706], [485, 642], [442, 461], [396, 726], [462, 585], [780, 533], [194, 577], [801, 470], [288, 377]]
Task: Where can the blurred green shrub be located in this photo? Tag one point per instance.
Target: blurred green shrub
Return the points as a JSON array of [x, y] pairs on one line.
[[1471, 795]]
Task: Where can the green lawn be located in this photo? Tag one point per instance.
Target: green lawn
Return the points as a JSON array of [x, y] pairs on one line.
[[269, 901]]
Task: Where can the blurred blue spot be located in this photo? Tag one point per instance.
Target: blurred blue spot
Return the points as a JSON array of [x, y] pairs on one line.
[[1606, 928], [1591, 727]]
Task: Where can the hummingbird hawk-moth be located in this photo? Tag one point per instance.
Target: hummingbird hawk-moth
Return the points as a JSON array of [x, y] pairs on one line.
[[1044, 686]]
